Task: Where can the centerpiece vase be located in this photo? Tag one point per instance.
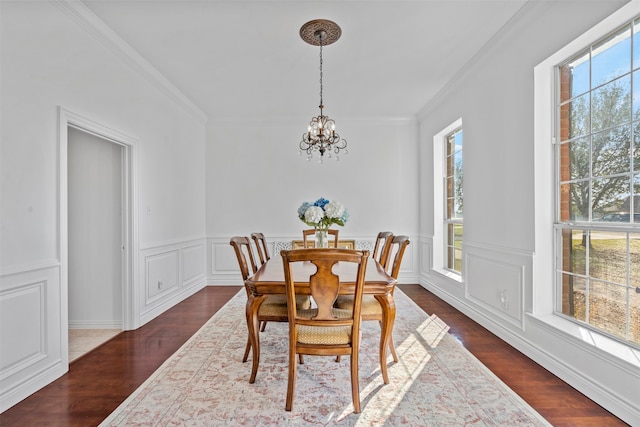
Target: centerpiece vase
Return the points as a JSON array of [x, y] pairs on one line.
[[321, 238]]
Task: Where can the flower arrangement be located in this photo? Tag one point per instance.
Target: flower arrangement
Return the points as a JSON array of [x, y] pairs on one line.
[[322, 213]]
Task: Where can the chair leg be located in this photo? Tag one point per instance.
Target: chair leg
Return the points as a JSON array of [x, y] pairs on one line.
[[392, 349], [338, 359], [291, 385], [355, 383], [301, 359], [264, 326], [246, 350]]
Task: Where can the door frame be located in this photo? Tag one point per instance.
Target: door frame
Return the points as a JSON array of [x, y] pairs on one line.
[[130, 312]]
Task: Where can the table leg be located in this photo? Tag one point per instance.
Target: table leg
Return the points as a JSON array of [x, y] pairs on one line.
[[251, 312], [388, 318]]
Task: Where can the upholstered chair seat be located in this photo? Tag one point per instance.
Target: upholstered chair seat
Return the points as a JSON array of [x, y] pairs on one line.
[[334, 335], [370, 306]]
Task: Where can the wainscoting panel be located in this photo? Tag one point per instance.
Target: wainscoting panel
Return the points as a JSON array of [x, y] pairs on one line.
[[496, 286], [162, 273], [33, 341], [426, 258], [23, 306], [193, 262], [494, 281], [222, 264], [171, 272]]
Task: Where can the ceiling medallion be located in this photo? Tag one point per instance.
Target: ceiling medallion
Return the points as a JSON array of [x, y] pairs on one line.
[[329, 30]]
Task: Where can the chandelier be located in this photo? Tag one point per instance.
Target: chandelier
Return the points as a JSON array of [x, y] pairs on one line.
[[321, 136]]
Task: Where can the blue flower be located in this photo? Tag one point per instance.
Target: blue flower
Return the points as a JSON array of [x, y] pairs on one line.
[[321, 202], [303, 208]]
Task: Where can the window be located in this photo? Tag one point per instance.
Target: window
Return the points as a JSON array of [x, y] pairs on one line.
[[447, 202], [597, 159], [453, 198]]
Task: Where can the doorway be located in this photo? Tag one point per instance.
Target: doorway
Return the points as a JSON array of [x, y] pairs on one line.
[[95, 240], [98, 229]]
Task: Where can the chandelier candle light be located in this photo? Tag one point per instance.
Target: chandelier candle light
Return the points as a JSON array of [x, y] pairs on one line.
[[320, 215], [321, 135]]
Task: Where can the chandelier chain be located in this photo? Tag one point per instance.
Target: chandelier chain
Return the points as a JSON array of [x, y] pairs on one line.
[[321, 102]]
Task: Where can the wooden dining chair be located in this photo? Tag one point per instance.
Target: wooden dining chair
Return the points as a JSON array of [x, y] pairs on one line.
[[261, 246], [306, 243], [396, 252], [383, 242], [263, 254], [371, 309], [324, 330], [274, 308]]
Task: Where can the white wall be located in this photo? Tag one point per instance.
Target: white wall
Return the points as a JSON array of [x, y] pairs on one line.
[[256, 181], [95, 230], [58, 55], [494, 96]]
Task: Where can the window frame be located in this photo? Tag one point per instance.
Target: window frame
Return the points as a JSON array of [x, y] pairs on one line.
[[440, 241], [568, 276], [545, 259], [451, 220]]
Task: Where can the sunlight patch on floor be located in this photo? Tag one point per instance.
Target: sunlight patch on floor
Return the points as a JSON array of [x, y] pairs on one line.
[[433, 330], [412, 358]]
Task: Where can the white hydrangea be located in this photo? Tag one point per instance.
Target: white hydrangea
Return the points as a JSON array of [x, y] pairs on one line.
[[334, 209], [314, 214]]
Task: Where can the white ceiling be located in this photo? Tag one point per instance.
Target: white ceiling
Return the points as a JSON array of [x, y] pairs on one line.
[[238, 58]]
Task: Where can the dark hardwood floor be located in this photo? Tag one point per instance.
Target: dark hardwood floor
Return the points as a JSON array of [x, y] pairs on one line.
[[99, 381]]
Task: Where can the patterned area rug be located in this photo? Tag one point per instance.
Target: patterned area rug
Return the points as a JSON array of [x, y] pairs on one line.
[[436, 382]]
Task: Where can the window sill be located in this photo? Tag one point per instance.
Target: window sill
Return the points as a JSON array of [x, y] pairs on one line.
[[455, 277], [589, 339]]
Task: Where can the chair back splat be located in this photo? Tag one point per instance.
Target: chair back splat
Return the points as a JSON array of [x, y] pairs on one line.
[[307, 243], [261, 246], [324, 330], [244, 253], [396, 251], [380, 250]]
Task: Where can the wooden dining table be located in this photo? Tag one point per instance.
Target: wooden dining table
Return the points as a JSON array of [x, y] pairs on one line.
[[269, 280]]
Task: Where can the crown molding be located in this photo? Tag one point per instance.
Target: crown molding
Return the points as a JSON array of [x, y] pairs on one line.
[[282, 120], [82, 15]]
